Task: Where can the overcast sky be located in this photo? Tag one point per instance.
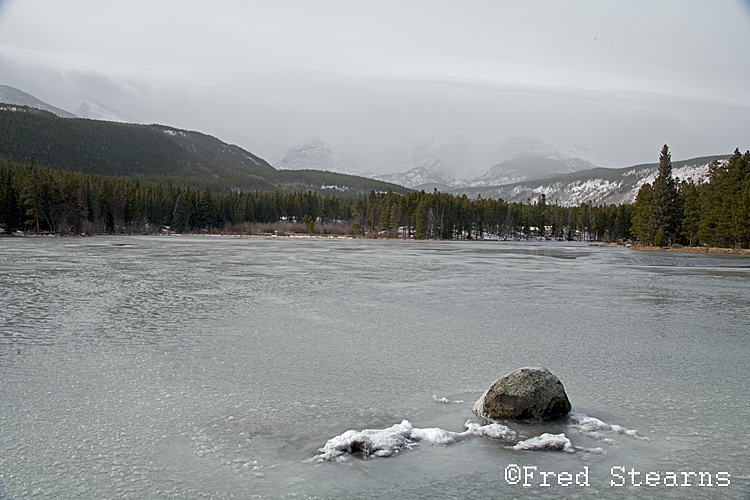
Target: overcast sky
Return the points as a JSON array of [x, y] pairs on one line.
[[618, 77]]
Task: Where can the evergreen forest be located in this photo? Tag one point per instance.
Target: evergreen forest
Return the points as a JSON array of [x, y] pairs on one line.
[[40, 199], [713, 213]]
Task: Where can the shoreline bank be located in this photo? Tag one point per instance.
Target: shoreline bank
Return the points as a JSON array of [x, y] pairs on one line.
[[712, 250], [744, 252]]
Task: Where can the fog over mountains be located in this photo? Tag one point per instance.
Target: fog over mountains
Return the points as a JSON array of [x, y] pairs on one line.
[[528, 158], [523, 168], [314, 154], [439, 161], [11, 95], [96, 111], [85, 109]]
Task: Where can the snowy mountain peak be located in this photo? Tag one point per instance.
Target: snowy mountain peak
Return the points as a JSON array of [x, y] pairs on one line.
[[526, 158], [314, 154], [95, 111], [442, 155], [11, 95], [531, 146], [432, 161]]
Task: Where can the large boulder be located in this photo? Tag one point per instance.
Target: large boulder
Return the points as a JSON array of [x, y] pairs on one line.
[[527, 393]]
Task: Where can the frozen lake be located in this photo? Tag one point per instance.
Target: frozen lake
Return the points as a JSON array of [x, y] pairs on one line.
[[179, 367]]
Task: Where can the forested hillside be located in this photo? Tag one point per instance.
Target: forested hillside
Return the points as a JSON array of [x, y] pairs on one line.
[[155, 153], [601, 186]]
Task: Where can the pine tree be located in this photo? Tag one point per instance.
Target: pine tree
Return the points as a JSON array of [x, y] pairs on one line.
[[691, 211], [665, 210], [180, 215], [357, 211], [309, 223], [11, 210]]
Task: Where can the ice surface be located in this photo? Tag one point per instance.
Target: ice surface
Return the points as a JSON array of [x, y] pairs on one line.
[[399, 437]]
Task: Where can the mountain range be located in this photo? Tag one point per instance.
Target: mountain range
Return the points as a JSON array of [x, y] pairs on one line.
[[156, 153], [435, 162], [528, 158], [11, 95], [108, 142], [85, 109], [600, 186], [96, 111], [526, 168], [314, 154], [428, 163]]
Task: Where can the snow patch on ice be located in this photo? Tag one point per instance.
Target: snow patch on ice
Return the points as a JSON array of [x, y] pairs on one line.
[[404, 436], [547, 442], [445, 400], [494, 431], [400, 437], [590, 426], [553, 442]]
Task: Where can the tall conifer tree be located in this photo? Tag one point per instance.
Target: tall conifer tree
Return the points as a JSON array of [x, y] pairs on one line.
[[664, 213]]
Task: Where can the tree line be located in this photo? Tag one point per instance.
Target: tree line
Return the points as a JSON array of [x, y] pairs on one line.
[[714, 213], [41, 199]]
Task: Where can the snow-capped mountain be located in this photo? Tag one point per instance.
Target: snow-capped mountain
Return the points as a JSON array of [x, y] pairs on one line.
[[434, 161], [85, 109], [11, 95], [314, 154], [416, 177], [598, 186], [526, 158], [519, 146], [95, 111]]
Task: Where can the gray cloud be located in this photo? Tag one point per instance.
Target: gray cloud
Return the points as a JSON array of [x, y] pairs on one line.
[[620, 80]]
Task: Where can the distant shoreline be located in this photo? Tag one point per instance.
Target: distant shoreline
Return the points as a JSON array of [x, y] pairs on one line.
[[743, 252], [713, 250]]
